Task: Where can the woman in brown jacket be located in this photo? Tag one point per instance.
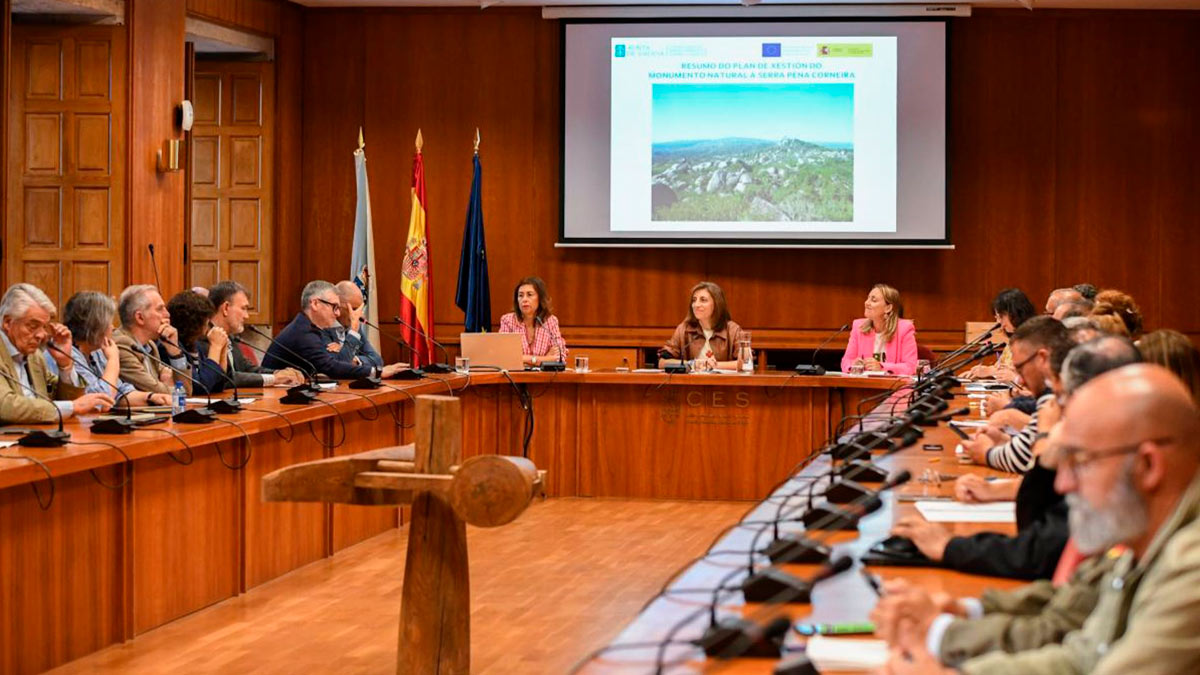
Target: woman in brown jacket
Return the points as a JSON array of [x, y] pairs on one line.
[[708, 336]]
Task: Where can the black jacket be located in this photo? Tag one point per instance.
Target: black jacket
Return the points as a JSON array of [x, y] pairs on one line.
[[309, 342], [1033, 553]]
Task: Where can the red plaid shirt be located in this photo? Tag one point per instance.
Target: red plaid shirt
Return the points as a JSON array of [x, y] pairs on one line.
[[545, 336]]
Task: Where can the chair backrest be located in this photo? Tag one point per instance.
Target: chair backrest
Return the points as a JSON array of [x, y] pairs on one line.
[[926, 353]]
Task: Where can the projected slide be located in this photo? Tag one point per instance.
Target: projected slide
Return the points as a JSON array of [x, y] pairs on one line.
[[753, 134]]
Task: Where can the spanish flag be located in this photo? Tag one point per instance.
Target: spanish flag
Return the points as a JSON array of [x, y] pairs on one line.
[[416, 296]]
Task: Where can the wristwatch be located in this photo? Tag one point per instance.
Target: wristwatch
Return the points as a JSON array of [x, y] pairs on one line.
[[535, 360]]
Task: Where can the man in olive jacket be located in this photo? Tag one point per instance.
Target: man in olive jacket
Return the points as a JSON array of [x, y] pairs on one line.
[[1128, 458]]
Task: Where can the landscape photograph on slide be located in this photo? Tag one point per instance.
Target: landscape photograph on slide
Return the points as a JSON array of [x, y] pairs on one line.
[[752, 152]]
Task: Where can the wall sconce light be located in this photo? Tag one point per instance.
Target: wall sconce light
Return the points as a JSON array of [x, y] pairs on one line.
[[167, 159]]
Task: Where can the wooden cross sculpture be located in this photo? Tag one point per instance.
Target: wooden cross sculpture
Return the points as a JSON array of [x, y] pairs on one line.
[[445, 493]]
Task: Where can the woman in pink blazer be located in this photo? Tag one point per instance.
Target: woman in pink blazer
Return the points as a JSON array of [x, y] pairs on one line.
[[881, 340]]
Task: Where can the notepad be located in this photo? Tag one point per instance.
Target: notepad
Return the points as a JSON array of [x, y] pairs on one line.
[[203, 401], [846, 654], [958, 512], [969, 424]]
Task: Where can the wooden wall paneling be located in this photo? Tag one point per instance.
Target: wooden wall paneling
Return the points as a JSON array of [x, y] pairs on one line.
[[333, 99], [1028, 199], [232, 179], [61, 591], [5, 68], [187, 538], [66, 170], [280, 536], [289, 76], [1127, 197], [352, 524], [156, 39], [260, 16]]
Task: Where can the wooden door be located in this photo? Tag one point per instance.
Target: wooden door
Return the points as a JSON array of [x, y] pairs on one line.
[[65, 230], [231, 215]]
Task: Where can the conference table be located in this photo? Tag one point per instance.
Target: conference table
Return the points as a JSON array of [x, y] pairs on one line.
[[679, 612], [144, 528]]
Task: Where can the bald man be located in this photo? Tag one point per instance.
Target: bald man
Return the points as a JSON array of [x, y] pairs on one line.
[[1061, 296], [1129, 450], [346, 339]]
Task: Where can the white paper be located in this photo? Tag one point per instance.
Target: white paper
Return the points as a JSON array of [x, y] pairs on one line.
[[970, 424], [829, 653], [958, 512], [7, 444], [647, 370], [203, 401]]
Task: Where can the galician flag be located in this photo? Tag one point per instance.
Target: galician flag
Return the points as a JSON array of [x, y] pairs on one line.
[[362, 259], [416, 294]]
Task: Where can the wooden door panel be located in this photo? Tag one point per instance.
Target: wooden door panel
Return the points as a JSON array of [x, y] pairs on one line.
[[66, 174], [232, 200]]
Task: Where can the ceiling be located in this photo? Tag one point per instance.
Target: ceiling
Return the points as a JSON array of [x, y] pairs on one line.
[[1029, 4]]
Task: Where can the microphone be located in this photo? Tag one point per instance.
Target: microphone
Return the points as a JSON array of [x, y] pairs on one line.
[[439, 368], [967, 347], [813, 368], [558, 365], [407, 373], [221, 406], [202, 415], [154, 266], [113, 425], [301, 394], [741, 637], [41, 438], [674, 368], [933, 421], [829, 517]]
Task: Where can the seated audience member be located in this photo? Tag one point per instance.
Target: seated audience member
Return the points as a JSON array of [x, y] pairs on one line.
[[1116, 303], [1088, 291], [1012, 309], [1032, 346], [1066, 310], [25, 314], [708, 335], [347, 339], [303, 339], [1041, 512], [1129, 449], [148, 342], [89, 316], [533, 318], [882, 340], [1175, 352], [206, 346], [1061, 296], [232, 305]]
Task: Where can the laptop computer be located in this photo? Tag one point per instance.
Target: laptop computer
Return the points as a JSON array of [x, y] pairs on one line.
[[492, 350]]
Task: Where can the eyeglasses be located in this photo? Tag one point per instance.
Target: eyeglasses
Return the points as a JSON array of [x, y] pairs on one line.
[[1019, 366], [1074, 460], [332, 305]]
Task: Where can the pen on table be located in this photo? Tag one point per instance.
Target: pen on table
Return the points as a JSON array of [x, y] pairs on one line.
[[873, 581]]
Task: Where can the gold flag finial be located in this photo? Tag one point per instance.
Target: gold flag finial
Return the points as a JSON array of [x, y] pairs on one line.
[[361, 144], [477, 140], [420, 141]]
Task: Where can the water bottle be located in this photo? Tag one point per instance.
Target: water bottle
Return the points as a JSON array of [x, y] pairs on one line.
[[179, 400], [745, 353]]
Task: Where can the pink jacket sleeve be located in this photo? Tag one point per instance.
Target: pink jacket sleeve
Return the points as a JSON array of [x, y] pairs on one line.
[[852, 348], [557, 338], [906, 341]]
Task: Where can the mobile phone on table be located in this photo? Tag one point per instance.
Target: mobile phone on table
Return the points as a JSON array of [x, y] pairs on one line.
[[933, 447], [961, 434]]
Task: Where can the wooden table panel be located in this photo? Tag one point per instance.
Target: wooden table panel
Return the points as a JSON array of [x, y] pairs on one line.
[[61, 582], [280, 536], [352, 524], [186, 534]]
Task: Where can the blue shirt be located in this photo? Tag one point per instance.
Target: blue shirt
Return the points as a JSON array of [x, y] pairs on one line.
[[91, 367]]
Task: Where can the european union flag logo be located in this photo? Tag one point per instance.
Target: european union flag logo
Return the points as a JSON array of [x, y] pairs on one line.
[[620, 51], [772, 49]]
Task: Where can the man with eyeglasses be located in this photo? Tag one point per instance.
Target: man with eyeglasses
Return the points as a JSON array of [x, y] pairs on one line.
[[305, 336], [1128, 452], [25, 326]]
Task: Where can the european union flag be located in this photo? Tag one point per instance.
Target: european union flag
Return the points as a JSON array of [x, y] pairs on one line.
[[474, 296], [772, 49]]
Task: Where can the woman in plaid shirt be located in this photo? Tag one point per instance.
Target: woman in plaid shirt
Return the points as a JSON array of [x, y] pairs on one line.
[[532, 318]]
